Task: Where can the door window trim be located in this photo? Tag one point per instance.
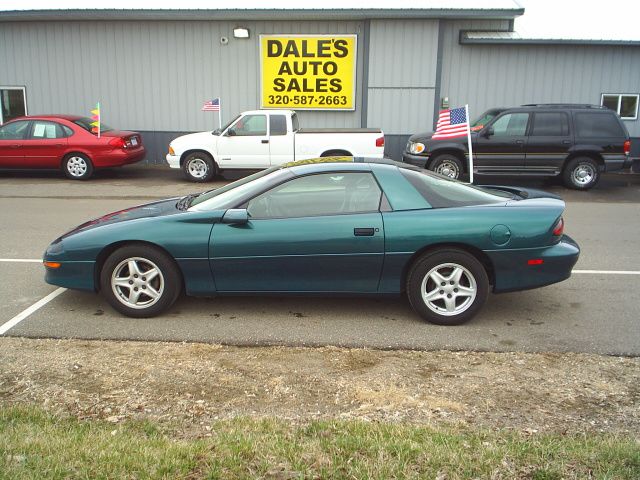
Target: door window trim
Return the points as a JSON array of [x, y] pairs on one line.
[[620, 95], [24, 98]]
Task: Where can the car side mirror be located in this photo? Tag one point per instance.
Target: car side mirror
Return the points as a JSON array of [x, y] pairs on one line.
[[487, 132], [217, 131], [236, 216], [231, 132]]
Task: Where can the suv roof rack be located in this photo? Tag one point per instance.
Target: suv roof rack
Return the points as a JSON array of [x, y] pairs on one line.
[[563, 105]]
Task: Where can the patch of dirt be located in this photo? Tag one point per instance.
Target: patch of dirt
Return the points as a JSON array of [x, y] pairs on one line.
[[194, 384]]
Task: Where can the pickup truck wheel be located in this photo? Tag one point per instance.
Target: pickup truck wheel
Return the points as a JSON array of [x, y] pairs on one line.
[[199, 167], [581, 173], [447, 165]]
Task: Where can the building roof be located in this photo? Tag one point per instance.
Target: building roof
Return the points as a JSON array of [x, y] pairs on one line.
[[35, 10], [515, 38]]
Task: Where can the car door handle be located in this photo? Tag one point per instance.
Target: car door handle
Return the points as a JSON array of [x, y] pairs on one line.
[[265, 141], [15, 145], [363, 232], [519, 142], [566, 142]]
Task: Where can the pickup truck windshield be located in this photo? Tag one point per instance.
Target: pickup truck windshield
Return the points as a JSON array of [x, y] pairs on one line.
[[219, 131]]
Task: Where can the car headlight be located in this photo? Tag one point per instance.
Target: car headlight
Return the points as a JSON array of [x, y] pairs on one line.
[[417, 147]]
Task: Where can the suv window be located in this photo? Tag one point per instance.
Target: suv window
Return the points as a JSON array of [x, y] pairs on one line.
[[321, 194], [590, 124], [511, 125], [550, 124], [14, 131]]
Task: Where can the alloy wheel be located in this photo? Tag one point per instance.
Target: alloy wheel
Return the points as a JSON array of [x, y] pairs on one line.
[[197, 168], [137, 282], [448, 289]]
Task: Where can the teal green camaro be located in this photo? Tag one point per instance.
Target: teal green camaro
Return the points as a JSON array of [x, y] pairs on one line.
[[331, 226]]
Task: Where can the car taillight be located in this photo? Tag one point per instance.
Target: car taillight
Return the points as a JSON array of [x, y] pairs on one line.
[[380, 142], [627, 147], [559, 228], [117, 142]]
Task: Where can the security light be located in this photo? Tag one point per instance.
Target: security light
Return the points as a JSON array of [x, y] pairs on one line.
[[241, 32]]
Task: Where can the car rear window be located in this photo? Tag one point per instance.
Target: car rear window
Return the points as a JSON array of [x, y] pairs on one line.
[[85, 122], [597, 125], [442, 192]]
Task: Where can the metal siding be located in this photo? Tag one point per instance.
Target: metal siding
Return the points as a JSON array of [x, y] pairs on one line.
[[399, 111], [151, 76], [402, 74], [488, 76]]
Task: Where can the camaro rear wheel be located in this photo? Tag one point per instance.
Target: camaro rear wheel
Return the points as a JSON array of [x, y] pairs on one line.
[[447, 165], [199, 167], [447, 287], [581, 173], [77, 167], [140, 281]]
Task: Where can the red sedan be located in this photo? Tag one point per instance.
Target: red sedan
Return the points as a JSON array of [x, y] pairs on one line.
[[66, 142]]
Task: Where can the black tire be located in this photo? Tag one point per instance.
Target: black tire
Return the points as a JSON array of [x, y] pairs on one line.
[[581, 173], [199, 167], [167, 283], [446, 262], [77, 166], [447, 165]]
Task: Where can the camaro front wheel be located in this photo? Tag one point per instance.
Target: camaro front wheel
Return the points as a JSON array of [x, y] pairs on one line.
[[447, 287], [140, 281]]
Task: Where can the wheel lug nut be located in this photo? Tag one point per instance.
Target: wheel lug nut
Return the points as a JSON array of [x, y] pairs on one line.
[[130, 282], [144, 287], [455, 290], [451, 282], [443, 284], [135, 276], [449, 295], [135, 289], [144, 279], [441, 292]]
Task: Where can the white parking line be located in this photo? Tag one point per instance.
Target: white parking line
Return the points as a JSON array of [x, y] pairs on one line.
[[20, 260], [25, 313], [608, 272]]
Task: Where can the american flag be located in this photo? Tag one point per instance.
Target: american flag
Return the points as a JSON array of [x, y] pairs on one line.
[[451, 123], [211, 105]]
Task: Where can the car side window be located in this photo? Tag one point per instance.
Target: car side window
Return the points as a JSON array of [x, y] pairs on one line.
[[277, 125], [550, 124], [511, 125], [597, 125], [320, 194], [14, 131], [251, 125], [46, 130]]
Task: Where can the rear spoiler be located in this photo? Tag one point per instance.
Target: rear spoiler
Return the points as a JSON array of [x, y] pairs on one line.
[[523, 192]]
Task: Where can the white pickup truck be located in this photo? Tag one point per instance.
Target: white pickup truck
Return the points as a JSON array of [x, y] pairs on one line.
[[261, 138]]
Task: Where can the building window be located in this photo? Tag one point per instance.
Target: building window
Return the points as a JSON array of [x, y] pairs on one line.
[[13, 103], [625, 105]]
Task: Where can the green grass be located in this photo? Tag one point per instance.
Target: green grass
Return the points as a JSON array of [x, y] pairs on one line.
[[34, 444]]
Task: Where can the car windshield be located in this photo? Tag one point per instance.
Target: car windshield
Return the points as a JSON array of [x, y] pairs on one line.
[[225, 196], [443, 192], [485, 118], [85, 122]]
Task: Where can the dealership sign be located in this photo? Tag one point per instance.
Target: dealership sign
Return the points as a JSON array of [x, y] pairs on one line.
[[308, 72]]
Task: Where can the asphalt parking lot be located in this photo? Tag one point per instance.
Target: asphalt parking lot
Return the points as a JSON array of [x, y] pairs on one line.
[[595, 311]]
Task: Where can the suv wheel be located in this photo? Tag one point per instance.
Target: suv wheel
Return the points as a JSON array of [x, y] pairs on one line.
[[581, 173], [447, 165]]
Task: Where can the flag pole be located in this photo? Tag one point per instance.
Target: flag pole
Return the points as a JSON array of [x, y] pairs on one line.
[[99, 120], [220, 113], [466, 112]]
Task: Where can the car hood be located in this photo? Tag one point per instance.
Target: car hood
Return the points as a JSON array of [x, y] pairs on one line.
[[192, 139], [148, 210]]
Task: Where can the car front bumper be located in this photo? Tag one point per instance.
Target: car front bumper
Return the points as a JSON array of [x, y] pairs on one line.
[[173, 160], [417, 160]]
